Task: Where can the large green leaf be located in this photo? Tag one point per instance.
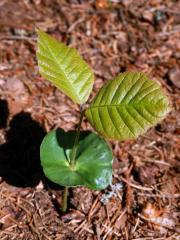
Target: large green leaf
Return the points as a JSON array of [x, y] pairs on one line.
[[93, 164], [64, 67], [127, 106]]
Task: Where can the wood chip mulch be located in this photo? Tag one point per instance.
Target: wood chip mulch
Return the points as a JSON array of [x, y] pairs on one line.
[[143, 202]]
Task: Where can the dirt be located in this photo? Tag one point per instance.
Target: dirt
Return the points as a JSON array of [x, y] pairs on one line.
[[143, 201]]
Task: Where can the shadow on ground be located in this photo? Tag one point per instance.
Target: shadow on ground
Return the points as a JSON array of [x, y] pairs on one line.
[[19, 156], [4, 112]]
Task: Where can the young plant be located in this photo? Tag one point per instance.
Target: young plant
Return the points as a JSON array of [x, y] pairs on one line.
[[124, 108]]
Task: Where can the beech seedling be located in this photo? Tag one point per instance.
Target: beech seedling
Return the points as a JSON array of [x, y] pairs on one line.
[[125, 107]]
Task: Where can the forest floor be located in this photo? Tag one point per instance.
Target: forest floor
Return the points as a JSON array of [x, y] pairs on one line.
[[143, 202]]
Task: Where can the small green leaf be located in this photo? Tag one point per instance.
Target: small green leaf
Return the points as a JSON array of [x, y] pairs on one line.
[[64, 67], [127, 106], [93, 167]]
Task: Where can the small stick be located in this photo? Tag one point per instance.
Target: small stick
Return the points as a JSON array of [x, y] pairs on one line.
[[18, 38], [136, 186]]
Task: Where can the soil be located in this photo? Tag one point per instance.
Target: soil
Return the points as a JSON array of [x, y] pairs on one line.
[[143, 201]]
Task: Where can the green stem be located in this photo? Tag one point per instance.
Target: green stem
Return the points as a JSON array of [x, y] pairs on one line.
[[72, 160], [75, 147], [64, 202]]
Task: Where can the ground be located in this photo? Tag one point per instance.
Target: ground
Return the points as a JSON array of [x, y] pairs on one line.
[[143, 201]]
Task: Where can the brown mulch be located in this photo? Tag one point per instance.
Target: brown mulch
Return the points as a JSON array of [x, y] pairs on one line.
[[143, 202]]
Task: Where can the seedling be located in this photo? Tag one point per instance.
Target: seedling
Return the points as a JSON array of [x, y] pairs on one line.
[[124, 108]]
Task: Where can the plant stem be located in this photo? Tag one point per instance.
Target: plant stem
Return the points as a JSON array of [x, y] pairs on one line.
[[64, 202], [75, 147], [72, 159]]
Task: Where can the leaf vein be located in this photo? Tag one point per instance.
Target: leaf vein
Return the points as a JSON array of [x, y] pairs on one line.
[[150, 92], [133, 85], [124, 121], [117, 90], [143, 116], [113, 122]]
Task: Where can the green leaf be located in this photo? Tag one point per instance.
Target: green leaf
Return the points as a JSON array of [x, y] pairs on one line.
[[127, 106], [64, 68], [93, 167]]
